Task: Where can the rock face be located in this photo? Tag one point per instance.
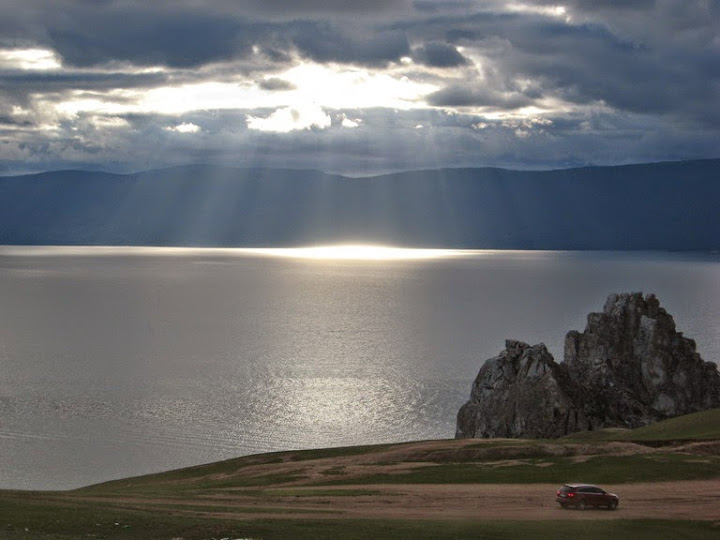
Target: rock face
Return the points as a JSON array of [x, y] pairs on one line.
[[521, 392], [634, 366], [630, 367]]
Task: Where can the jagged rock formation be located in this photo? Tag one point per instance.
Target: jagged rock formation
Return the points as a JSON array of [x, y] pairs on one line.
[[634, 366], [521, 392], [630, 367]]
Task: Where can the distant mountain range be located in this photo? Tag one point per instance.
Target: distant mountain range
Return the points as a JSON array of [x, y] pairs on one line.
[[659, 206]]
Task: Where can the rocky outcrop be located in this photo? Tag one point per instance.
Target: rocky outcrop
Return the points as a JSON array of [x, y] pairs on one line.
[[521, 393], [635, 368], [630, 367]]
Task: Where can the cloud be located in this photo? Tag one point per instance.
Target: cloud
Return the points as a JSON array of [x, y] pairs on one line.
[[349, 123], [433, 6], [28, 59], [275, 84], [174, 39], [187, 34], [388, 140], [291, 119], [185, 127], [67, 80], [437, 54], [323, 7], [610, 57], [465, 95], [324, 42], [111, 83]]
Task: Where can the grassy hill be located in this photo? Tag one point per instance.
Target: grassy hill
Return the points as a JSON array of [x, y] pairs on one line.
[[438, 489], [703, 425]]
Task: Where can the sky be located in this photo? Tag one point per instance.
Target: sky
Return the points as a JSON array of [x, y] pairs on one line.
[[357, 87]]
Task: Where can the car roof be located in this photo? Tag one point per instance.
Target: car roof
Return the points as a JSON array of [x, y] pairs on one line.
[[579, 485]]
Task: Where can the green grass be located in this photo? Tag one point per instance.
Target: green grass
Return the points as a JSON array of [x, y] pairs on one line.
[[521, 449], [185, 483], [704, 425], [314, 492], [701, 425], [230, 473], [598, 469], [223, 474], [43, 521], [323, 453], [179, 502], [333, 471], [188, 474]]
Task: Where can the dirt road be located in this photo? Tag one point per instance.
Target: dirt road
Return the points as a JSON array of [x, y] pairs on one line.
[[671, 500], [694, 500], [303, 487]]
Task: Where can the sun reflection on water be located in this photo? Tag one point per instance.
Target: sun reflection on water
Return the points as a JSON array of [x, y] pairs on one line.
[[352, 252], [359, 252]]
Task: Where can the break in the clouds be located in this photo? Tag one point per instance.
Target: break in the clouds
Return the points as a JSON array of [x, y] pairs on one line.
[[357, 87]]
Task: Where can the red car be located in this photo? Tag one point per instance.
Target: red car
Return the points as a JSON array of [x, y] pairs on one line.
[[583, 496]]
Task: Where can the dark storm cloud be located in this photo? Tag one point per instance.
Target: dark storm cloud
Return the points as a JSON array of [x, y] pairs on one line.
[[433, 6], [188, 34], [274, 84], [180, 41], [323, 7], [8, 120], [324, 42], [51, 81], [589, 63], [625, 57], [623, 8], [437, 54], [477, 96], [92, 33], [17, 88], [194, 41]]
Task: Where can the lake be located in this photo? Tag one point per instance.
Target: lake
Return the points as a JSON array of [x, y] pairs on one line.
[[116, 362]]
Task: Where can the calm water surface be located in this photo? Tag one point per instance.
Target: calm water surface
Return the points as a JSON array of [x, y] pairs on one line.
[[123, 362]]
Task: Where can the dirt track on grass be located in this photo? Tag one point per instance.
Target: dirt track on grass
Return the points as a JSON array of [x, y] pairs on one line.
[[665, 500], [694, 500], [322, 487]]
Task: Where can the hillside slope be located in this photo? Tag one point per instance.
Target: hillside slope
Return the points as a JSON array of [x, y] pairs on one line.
[[662, 206], [467, 488]]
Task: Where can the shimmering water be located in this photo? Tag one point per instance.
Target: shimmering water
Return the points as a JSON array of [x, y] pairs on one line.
[[121, 362]]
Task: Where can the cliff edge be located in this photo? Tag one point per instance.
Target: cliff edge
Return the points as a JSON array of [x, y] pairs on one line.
[[630, 367]]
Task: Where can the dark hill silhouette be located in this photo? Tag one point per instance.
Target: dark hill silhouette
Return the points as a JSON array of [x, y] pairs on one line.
[[660, 206]]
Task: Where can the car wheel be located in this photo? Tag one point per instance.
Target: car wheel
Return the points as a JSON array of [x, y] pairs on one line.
[[563, 506], [613, 505], [581, 505]]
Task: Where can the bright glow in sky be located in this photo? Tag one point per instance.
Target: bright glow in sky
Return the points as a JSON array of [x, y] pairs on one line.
[[348, 123], [337, 88], [29, 59], [558, 11], [185, 127], [315, 86]]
